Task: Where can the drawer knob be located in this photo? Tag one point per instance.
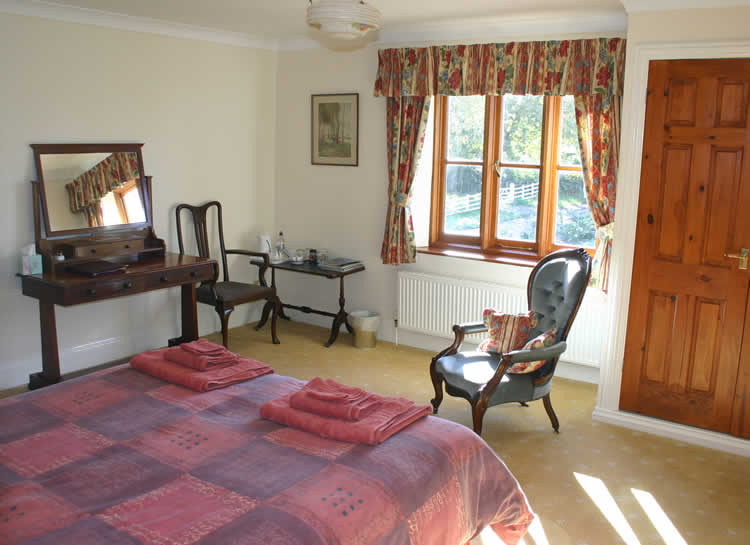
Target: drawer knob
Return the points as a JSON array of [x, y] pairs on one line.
[[193, 274], [127, 284], [91, 291], [93, 250], [163, 278], [127, 246]]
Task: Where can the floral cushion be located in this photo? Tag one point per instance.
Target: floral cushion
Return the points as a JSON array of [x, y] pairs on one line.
[[540, 341], [507, 331]]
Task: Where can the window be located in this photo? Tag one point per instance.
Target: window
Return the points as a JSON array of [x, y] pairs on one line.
[[123, 205], [506, 177], [131, 201]]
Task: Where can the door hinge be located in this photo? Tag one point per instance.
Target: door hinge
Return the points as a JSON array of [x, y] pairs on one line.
[[666, 92]]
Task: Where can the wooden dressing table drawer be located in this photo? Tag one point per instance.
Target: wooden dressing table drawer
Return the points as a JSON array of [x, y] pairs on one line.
[[107, 289], [177, 277], [104, 249]]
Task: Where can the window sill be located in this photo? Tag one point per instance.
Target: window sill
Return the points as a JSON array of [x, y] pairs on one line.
[[475, 255]]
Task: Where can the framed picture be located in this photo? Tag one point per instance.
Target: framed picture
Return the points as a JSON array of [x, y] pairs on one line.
[[335, 129]]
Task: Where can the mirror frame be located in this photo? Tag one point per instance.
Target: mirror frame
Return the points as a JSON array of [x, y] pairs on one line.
[[62, 149]]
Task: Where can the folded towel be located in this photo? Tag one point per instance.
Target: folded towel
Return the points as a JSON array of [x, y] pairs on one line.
[[200, 363], [154, 364], [391, 416], [329, 398], [202, 347]]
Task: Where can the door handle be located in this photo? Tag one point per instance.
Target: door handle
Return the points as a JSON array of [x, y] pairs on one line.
[[742, 256]]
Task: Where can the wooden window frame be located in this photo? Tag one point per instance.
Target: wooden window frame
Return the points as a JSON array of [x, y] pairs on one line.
[[487, 246], [120, 199]]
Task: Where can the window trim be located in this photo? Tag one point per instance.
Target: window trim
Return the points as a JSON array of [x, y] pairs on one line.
[[486, 246]]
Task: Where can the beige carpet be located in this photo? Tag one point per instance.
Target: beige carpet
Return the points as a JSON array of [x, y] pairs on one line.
[[702, 493]]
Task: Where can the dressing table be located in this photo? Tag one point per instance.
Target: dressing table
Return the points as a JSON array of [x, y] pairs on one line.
[[93, 224]]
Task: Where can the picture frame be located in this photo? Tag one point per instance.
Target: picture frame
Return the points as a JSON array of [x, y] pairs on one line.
[[335, 129]]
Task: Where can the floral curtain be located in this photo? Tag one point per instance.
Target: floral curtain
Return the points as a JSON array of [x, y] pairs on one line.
[[111, 173], [94, 214], [568, 67], [406, 120], [591, 70], [598, 121]]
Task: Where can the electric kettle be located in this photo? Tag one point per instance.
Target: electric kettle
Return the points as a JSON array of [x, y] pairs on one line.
[[265, 245]]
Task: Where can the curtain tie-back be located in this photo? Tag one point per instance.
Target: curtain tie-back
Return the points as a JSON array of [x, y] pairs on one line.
[[606, 232], [602, 257], [400, 199]]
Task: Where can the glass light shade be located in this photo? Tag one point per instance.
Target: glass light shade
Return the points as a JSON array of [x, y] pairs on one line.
[[343, 19]]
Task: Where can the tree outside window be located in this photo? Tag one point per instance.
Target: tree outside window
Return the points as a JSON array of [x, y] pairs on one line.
[[507, 178]]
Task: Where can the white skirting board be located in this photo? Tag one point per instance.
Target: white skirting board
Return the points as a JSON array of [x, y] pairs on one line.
[[687, 434]]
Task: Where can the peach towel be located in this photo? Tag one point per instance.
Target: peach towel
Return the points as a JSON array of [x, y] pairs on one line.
[[202, 347], [391, 416], [329, 398], [189, 359], [154, 364]]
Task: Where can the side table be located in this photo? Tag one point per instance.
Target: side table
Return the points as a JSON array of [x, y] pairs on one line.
[[339, 318]]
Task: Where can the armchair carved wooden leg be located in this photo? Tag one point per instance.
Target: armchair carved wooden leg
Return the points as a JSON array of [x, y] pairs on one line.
[[478, 408], [437, 383], [551, 413], [437, 378], [481, 400], [275, 318]]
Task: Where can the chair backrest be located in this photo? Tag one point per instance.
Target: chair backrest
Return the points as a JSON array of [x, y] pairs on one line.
[[556, 288], [201, 231]]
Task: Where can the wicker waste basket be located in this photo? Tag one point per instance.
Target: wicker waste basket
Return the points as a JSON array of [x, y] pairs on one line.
[[365, 324]]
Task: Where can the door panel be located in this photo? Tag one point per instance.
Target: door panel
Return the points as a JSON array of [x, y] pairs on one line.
[[732, 103], [688, 301], [724, 181], [741, 413], [660, 325], [681, 102], [674, 183], [705, 341]]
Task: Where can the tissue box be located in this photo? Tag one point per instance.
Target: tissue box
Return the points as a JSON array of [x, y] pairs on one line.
[[31, 264]]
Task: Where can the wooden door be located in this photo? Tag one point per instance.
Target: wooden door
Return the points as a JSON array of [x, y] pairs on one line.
[[688, 302]]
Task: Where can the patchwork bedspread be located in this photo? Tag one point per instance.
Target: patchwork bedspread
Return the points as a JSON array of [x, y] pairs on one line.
[[121, 458]]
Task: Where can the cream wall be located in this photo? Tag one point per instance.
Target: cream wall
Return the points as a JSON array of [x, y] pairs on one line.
[[689, 25], [58, 205], [206, 114], [335, 207]]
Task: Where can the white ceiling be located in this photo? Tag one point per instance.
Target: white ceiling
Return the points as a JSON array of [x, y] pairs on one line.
[[281, 23], [284, 20]]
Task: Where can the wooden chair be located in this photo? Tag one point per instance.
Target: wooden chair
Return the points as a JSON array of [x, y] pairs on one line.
[[555, 291], [225, 295]]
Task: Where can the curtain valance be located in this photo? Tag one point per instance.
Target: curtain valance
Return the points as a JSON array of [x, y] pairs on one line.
[[568, 67], [111, 173]]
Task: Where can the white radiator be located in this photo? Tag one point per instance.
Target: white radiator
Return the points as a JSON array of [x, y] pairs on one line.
[[431, 304]]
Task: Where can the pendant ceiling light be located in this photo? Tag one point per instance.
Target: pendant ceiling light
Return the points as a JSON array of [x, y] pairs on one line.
[[343, 19]]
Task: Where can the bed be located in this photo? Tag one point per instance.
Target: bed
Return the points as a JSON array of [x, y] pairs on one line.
[[121, 458]]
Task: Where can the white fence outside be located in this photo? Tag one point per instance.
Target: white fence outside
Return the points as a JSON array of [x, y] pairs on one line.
[[470, 203]]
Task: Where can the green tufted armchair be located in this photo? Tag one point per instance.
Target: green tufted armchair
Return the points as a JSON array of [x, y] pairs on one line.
[[555, 291]]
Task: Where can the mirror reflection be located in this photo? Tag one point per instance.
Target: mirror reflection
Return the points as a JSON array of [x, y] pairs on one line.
[[85, 190]]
